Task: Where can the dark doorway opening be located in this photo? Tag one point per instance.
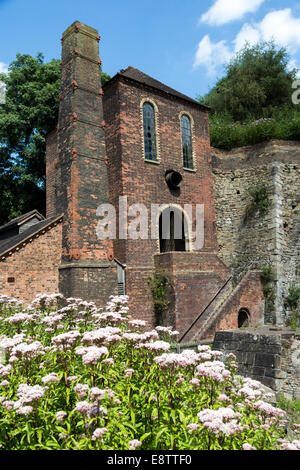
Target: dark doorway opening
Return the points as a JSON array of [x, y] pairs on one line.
[[243, 318], [172, 230]]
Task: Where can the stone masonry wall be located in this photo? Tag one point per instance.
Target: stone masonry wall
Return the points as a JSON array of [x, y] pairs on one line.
[[269, 355], [260, 239]]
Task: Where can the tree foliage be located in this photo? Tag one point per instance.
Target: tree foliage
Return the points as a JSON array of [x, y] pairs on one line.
[[29, 112], [257, 83]]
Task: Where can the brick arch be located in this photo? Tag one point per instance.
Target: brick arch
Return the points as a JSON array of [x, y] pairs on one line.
[[244, 317], [188, 225]]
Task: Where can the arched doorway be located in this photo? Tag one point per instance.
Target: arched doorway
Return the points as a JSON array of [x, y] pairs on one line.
[[243, 318], [173, 231]]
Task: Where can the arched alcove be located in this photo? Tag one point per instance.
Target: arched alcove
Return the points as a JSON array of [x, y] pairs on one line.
[[243, 318]]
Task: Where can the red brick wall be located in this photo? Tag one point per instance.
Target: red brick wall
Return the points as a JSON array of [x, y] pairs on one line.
[[144, 182], [34, 267], [248, 294], [51, 163], [196, 278], [87, 268]]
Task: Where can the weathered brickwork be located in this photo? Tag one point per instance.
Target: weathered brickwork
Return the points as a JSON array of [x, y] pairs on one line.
[[51, 165], [269, 355], [33, 265], [261, 239], [249, 296], [144, 182], [81, 176], [195, 279]]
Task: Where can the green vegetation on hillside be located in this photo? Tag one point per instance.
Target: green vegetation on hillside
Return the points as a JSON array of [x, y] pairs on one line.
[[252, 103]]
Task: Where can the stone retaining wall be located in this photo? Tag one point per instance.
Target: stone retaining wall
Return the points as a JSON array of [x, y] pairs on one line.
[[268, 354], [260, 239]]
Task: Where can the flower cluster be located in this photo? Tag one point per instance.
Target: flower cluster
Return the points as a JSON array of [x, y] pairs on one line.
[[91, 354], [221, 421], [76, 376]]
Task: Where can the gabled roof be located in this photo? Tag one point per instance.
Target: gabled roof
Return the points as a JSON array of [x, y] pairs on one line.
[[137, 76], [12, 244], [21, 220]]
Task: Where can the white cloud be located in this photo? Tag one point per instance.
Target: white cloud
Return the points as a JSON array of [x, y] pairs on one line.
[[249, 34], [3, 67], [280, 26], [224, 11], [211, 55]]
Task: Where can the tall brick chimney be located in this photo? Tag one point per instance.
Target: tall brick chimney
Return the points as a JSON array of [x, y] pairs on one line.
[[87, 270]]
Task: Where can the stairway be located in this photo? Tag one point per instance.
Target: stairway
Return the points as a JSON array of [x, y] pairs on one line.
[[222, 311]]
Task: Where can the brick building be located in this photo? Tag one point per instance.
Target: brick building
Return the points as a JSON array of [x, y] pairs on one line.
[[137, 141]]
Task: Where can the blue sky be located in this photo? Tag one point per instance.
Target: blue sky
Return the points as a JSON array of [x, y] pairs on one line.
[[183, 43]]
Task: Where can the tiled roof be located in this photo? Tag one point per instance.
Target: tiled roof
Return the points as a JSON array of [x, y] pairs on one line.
[[138, 76], [18, 220], [13, 242]]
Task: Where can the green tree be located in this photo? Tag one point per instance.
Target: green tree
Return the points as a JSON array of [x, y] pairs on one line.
[[29, 112], [257, 83]]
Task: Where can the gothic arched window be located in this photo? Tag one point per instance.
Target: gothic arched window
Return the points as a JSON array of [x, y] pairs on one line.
[[187, 142], [149, 131]]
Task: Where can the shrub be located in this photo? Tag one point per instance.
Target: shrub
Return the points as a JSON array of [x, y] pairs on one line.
[[226, 135], [78, 377]]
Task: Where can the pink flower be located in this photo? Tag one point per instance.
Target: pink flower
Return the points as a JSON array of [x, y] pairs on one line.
[[72, 378], [5, 370], [220, 421], [180, 380], [29, 394], [98, 433], [193, 427], [195, 381], [60, 415], [134, 444], [129, 372], [8, 405], [51, 378], [82, 407], [4, 383], [91, 354], [224, 398], [268, 409], [247, 446], [294, 445], [24, 410], [97, 393]]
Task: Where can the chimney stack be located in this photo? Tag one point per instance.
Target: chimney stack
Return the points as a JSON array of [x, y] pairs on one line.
[[87, 270]]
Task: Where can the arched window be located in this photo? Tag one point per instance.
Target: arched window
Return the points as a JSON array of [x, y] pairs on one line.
[[149, 131], [187, 143], [172, 230]]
